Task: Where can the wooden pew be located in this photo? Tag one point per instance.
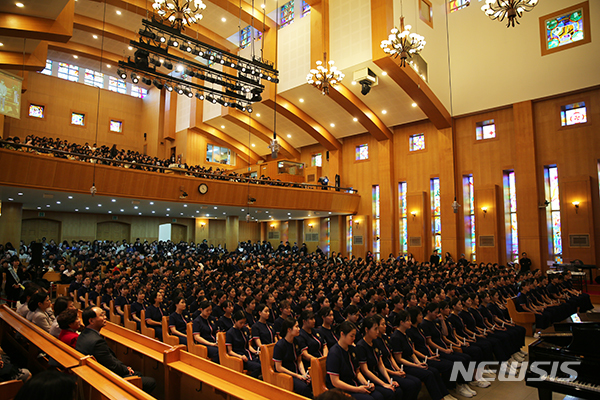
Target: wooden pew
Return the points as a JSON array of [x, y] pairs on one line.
[[96, 382], [9, 389], [169, 339], [62, 289], [524, 319], [129, 321], [186, 372], [225, 359], [193, 347], [113, 316], [278, 379], [145, 329], [318, 371]]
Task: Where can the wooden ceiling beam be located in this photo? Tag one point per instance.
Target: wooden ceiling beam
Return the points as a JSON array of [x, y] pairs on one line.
[[36, 61], [247, 14], [81, 50], [225, 140], [23, 26]]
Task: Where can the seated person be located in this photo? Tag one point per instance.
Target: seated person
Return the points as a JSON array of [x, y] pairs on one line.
[[178, 321], [288, 358], [205, 331], [68, 321], [238, 345], [40, 310], [90, 342], [61, 304]]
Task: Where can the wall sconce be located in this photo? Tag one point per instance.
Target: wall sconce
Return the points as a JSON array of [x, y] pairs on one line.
[[310, 226], [414, 214], [576, 204], [484, 209], [202, 225], [272, 226], [357, 223]]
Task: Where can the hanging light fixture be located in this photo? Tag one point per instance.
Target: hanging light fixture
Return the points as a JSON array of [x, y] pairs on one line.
[[511, 9], [180, 12], [401, 42], [325, 75]]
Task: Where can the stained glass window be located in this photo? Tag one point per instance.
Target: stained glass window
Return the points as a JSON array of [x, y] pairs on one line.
[[116, 126], [485, 130], [137, 91], [48, 69], [77, 119], [305, 8], [455, 5], [376, 223], [565, 29], [436, 215], [316, 160], [417, 142], [36, 111], [246, 36], [469, 204], [349, 236], [403, 217], [68, 72], [117, 85], [510, 207], [554, 226], [286, 15], [572, 114], [362, 152], [327, 236], [93, 78]]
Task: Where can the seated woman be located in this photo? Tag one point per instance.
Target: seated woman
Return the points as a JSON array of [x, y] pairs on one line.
[[154, 314], [288, 360], [262, 331], [326, 329], [238, 345], [137, 307], [342, 367], [205, 331], [69, 323], [40, 310], [178, 321], [225, 323], [312, 344]]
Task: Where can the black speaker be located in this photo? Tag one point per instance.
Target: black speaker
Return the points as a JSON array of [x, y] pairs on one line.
[[327, 155], [36, 254], [337, 182]]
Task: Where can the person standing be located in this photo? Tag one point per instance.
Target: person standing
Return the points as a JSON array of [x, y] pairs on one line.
[[525, 263]]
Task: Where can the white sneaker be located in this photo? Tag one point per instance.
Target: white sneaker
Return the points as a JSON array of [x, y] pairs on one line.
[[450, 397], [480, 383], [474, 393], [462, 391], [518, 357], [488, 373], [514, 363]]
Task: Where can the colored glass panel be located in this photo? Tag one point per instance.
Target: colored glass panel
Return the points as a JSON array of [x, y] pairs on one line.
[[572, 114], [137, 91], [554, 197], [469, 199], [245, 37], [78, 119], [305, 8], [362, 152], [286, 15], [48, 69], [68, 72], [349, 237], [555, 229], [510, 207], [376, 201], [116, 126], [36, 111], [565, 29], [93, 78], [455, 5], [417, 142], [316, 160], [117, 85], [376, 221], [436, 220], [403, 217], [485, 130]]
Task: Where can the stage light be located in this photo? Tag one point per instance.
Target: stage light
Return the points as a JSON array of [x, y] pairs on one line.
[[122, 73], [134, 78]]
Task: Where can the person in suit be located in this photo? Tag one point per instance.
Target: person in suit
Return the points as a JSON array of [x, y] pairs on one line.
[[91, 343]]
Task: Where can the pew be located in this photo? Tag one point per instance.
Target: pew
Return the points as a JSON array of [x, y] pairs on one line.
[[278, 379], [129, 322], [318, 371], [186, 371], [193, 347], [145, 329], [113, 316], [225, 359], [169, 339], [524, 319], [9, 389], [62, 289]]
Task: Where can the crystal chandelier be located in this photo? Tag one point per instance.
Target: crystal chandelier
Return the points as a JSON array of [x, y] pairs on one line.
[[325, 75], [511, 9], [180, 12], [401, 42]]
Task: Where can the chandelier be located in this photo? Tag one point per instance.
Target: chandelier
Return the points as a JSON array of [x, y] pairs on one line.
[[401, 42], [180, 12], [325, 75], [511, 9]]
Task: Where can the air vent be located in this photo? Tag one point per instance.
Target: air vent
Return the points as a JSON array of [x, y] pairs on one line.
[[273, 235], [312, 237], [358, 240], [415, 241], [41, 214], [487, 241], [310, 178], [579, 240]]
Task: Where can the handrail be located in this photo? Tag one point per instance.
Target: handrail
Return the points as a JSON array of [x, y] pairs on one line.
[[206, 175]]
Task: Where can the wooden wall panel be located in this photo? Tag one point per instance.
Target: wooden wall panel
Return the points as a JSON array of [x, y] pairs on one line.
[[486, 224], [113, 230], [217, 232], [578, 221], [37, 228], [418, 224], [249, 231]]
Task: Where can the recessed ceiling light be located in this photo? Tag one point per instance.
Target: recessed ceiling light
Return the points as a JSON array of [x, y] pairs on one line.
[[262, 5], [20, 5], [222, 126], [114, 200], [75, 57], [77, 209], [208, 215], [10, 199], [110, 212], [39, 208], [301, 100], [354, 82], [95, 36], [151, 203], [87, 208], [224, 213], [384, 111], [332, 125], [122, 210], [414, 104], [289, 136], [224, 19], [168, 209], [329, 212], [289, 213], [129, 48], [167, 215], [257, 114], [70, 197], [153, 212], [384, 73], [215, 208], [107, 65], [20, 194], [253, 145], [135, 207], [180, 213], [99, 205], [118, 12], [242, 209], [139, 213], [266, 212], [58, 202], [197, 211], [354, 119]]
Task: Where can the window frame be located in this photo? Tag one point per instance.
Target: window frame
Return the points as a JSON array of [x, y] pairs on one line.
[[586, 101], [430, 20], [70, 68], [43, 117], [362, 159], [312, 156], [587, 38], [84, 118], [481, 124], [424, 149], [116, 120]]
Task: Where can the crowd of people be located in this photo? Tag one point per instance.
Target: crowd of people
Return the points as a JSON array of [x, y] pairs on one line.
[[386, 326], [105, 155]]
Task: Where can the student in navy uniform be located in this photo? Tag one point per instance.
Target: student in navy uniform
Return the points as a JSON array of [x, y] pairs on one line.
[[338, 307], [94, 294], [262, 330], [178, 320], [120, 302], [286, 312], [371, 363], [238, 345], [326, 329], [249, 306], [288, 360], [154, 314], [404, 354], [312, 344], [137, 307], [205, 331], [462, 333], [342, 367], [107, 297], [472, 329]]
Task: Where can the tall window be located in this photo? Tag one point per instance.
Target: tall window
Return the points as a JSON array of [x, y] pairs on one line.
[[316, 160], [93, 78], [218, 154], [403, 217], [137, 91], [246, 36], [572, 114], [436, 215], [327, 249], [48, 69], [510, 210], [68, 72], [286, 15], [469, 204], [376, 223], [362, 152], [485, 130], [455, 5], [349, 236], [305, 8], [553, 213], [117, 85], [417, 142]]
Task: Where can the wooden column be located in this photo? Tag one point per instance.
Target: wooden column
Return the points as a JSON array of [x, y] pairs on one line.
[[10, 223], [232, 232]]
